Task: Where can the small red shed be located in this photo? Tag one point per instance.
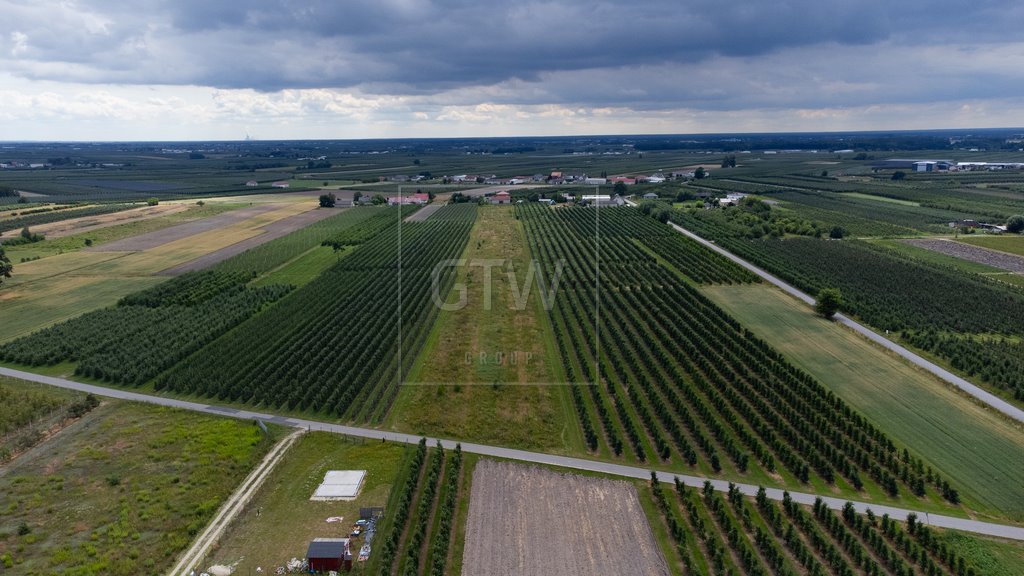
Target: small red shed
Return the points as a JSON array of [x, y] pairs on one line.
[[327, 554]]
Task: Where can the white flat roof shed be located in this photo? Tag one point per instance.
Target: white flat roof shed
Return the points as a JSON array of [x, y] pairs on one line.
[[340, 485]]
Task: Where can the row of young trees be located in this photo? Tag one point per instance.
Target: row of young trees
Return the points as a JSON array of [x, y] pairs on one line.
[[730, 533], [669, 375], [340, 344], [420, 517], [49, 216]]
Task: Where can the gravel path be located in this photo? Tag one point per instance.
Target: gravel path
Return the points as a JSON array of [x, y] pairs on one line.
[[985, 397], [989, 528], [994, 258], [526, 520]]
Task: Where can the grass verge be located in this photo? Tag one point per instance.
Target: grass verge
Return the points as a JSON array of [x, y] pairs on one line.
[[978, 450]]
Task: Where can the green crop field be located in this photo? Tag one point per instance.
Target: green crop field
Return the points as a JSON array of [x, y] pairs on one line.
[[975, 447], [1007, 243], [124, 489]]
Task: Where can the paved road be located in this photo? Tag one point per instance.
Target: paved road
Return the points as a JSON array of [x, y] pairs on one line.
[[991, 529], [990, 399]]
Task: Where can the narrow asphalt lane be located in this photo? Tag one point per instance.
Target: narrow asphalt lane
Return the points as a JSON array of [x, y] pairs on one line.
[[985, 397], [987, 528]]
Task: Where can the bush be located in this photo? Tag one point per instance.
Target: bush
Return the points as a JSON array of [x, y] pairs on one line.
[[1015, 224], [328, 200], [152, 201]]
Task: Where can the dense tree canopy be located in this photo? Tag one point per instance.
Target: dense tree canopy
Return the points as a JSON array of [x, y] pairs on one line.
[[1015, 224], [5, 266], [828, 302]]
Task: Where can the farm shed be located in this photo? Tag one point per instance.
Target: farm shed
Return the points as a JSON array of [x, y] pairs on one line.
[[326, 554], [650, 196], [501, 198], [280, 184]]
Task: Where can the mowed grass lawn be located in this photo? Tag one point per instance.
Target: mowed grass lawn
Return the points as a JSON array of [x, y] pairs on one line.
[[281, 520], [1012, 243], [490, 374], [122, 491], [981, 453]]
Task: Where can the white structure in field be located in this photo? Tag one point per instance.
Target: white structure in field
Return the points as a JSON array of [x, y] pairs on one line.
[[340, 485]]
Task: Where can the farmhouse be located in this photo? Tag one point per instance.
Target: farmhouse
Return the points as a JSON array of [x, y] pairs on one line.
[[279, 184], [417, 199], [650, 196], [731, 199], [327, 554], [252, 183], [501, 198]]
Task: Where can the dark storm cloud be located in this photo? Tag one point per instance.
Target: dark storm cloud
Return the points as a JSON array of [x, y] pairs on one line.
[[426, 46]]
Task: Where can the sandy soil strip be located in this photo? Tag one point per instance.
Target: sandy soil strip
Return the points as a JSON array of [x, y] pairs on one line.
[[270, 232], [167, 235]]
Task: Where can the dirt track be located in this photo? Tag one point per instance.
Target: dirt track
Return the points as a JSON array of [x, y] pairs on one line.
[[996, 259], [193, 557], [161, 237], [526, 520]]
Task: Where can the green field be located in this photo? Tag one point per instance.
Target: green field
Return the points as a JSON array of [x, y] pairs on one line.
[[303, 268], [123, 490], [977, 449], [281, 520], [490, 375], [881, 199], [1014, 244]]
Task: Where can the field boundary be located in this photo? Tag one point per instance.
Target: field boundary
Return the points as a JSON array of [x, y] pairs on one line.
[[230, 509], [1009, 531], [985, 397]]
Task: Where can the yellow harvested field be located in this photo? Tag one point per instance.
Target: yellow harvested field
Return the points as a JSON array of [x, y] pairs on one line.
[[90, 223], [54, 289]]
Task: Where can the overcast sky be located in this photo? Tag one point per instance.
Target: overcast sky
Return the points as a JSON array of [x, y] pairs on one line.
[[224, 69]]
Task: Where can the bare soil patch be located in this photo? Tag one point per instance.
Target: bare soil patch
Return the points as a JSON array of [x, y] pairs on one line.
[[529, 520], [977, 254], [167, 235], [271, 231]]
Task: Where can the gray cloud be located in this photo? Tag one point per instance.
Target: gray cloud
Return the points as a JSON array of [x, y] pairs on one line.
[[652, 54]]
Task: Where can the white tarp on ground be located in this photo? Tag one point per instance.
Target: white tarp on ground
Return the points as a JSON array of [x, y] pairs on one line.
[[340, 485]]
